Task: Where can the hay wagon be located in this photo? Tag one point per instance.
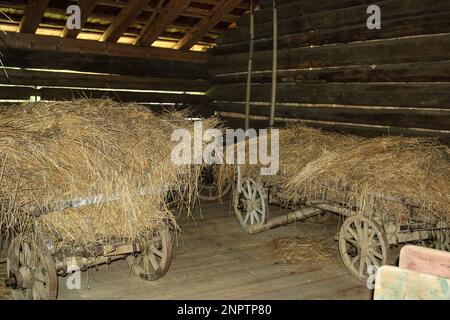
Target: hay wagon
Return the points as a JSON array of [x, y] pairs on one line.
[[211, 188], [34, 263], [365, 239]]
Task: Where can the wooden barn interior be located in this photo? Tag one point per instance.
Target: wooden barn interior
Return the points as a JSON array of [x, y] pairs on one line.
[[250, 64]]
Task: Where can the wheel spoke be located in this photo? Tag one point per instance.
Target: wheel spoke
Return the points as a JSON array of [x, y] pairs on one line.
[[146, 264], [352, 242], [373, 260], [354, 260], [246, 195], [249, 189], [257, 217], [362, 262], [156, 252], [247, 216], [153, 261], [376, 254], [352, 233], [365, 232]]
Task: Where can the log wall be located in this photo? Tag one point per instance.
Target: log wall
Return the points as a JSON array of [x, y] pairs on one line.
[[336, 73], [62, 69]]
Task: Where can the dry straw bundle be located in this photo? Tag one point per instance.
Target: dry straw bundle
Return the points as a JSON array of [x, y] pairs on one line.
[[115, 158], [298, 146], [381, 175], [310, 248]]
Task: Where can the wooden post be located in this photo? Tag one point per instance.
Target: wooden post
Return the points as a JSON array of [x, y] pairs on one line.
[[250, 66], [274, 64]]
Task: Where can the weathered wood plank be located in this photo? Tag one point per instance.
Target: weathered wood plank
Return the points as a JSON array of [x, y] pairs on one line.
[[64, 79], [33, 15], [206, 24], [127, 15], [419, 95], [404, 50], [262, 122], [103, 64], [86, 7], [393, 28], [164, 19], [438, 71], [12, 40], [16, 93], [144, 97], [346, 17], [397, 117], [298, 8]]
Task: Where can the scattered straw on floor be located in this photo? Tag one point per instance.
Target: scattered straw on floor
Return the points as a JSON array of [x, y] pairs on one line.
[[311, 249]]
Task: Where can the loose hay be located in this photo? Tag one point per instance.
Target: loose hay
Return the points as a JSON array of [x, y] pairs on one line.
[[311, 249], [299, 145], [397, 178], [382, 176], [57, 155]]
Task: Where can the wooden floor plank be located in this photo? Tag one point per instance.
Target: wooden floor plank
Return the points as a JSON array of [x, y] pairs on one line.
[[215, 259]]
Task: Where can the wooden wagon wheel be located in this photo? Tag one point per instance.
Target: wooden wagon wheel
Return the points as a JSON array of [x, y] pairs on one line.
[[155, 257], [362, 244], [209, 190], [31, 271], [250, 203]]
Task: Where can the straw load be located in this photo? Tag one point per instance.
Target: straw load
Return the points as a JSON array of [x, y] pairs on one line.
[[88, 172], [396, 177], [298, 146]]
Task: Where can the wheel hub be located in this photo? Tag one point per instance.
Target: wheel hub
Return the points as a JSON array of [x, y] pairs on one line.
[[19, 280]]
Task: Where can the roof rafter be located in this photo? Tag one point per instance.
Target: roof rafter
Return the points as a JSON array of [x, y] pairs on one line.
[[206, 24], [163, 20], [33, 15], [126, 16], [86, 6]]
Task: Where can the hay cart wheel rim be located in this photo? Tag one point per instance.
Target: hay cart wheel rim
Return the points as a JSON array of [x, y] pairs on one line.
[[250, 203], [154, 260], [210, 191], [31, 271], [362, 244]]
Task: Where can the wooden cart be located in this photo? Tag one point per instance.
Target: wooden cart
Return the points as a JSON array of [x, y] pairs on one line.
[[364, 240], [34, 264], [209, 189]]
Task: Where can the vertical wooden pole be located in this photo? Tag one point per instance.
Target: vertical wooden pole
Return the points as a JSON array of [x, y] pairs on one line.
[[274, 65], [248, 92]]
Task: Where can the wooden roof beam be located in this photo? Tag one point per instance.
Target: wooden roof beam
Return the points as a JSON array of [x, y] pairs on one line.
[[86, 6], [149, 24], [163, 20], [206, 24], [126, 16], [33, 15], [23, 41]]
